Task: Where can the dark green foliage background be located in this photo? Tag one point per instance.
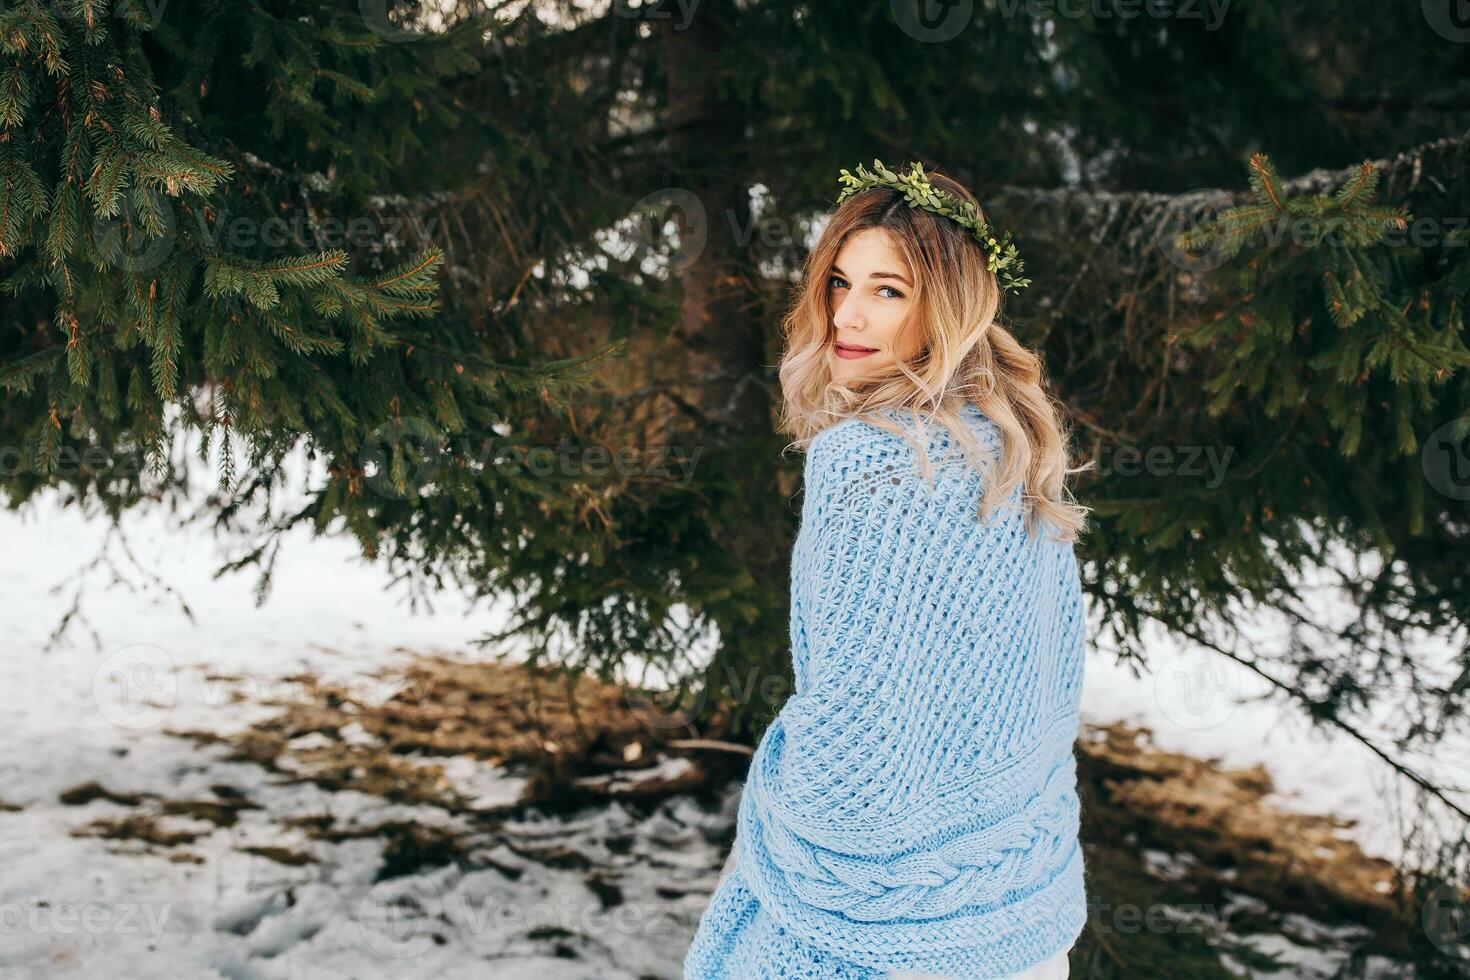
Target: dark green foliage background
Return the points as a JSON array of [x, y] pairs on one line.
[[509, 138]]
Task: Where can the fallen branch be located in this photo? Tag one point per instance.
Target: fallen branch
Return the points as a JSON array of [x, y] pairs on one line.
[[709, 743]]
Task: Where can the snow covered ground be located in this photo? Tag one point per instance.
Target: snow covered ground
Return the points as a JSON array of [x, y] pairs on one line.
[[73, 906], [79, 712]]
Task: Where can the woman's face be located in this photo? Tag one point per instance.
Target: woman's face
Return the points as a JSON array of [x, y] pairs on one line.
[[871, 295]]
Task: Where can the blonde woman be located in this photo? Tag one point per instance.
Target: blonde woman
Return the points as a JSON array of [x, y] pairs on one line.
[[912, 810]]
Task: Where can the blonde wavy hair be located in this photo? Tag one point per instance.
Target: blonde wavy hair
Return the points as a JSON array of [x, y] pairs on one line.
[[967, 357]]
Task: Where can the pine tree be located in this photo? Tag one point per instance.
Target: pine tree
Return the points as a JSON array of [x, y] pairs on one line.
[[411, 246], [178, 187], [203, 227]]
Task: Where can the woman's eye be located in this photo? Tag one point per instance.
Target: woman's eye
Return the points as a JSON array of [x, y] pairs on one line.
[[838, 282]]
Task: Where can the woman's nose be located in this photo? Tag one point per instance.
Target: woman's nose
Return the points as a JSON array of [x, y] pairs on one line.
[[848, 316]]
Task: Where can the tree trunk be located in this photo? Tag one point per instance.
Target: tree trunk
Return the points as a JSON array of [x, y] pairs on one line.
[[725, 345]]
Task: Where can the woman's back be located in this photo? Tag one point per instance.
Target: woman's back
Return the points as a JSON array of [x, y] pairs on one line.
[[913, 806]]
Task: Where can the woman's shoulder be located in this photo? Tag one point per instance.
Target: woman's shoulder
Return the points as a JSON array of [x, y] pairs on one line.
[[859, 453], [859, 442], [852, 432], [851, 445], [864, 432]]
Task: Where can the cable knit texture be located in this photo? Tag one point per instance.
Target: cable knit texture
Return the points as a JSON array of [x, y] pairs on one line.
[[913, 806]]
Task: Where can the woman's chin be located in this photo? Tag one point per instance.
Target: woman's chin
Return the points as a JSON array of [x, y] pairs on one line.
[[848, 371]]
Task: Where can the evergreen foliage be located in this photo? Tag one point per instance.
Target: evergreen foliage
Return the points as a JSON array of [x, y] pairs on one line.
[[517, 169], [408, 243], [204, 225]]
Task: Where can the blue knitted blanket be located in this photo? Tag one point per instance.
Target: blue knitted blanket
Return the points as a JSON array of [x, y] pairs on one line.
[[913, 806]]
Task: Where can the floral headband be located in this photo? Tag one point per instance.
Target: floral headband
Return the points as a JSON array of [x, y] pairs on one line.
[[914, 185]]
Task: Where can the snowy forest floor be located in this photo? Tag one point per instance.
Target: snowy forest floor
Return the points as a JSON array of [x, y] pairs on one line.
[[295, 791], [443, 817]]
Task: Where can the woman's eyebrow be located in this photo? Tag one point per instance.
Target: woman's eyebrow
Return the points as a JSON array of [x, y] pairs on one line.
[[877, 275]]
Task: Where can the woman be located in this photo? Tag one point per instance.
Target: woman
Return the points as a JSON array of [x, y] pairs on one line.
[[912, 810]]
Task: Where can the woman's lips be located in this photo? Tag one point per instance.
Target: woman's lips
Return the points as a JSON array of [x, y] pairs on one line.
[[850, 353]]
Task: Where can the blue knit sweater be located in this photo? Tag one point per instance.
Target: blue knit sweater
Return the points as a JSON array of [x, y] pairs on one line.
[[913, 806]]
